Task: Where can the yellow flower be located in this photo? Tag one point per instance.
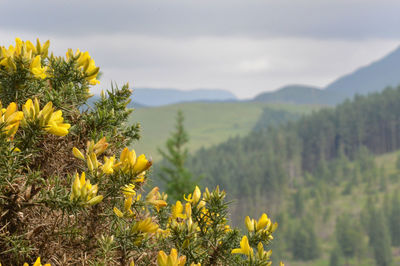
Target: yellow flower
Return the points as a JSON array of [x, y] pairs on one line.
[[249, 224], [244, 248], [196, 196], [56, 126], [86, 64], [264, 221], [262, 254], [129, 190], [161, 233], [177, 211], [129, 163], [50, 120], [43, 50], [108, 166], [145, 226], [92, 162], [118, 212], [188, 210], [77, 153], [37, 263], [142, 164], [100, 146], [84, 192], [154, 198], [171, 260], [127, 159], [11, 118], [36, 68]]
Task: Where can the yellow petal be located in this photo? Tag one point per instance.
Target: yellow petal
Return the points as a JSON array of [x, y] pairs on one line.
[[77, 153], [262, 222], [95, 200], [118, 212], [142, 164]]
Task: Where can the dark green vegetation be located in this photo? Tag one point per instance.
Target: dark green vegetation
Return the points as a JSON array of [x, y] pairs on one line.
[[207, 124], [299, 94], [368, 79], [176, 177], [317, 176]]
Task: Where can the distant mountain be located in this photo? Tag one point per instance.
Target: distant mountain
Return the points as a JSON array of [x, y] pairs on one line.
[[158, 97], [299, 94], [371, 78], [96, 98]]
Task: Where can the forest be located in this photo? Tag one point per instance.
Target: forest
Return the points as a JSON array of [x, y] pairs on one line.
[[321, 175]]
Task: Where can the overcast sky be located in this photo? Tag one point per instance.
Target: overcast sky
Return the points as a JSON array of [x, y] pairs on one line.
[[246, 46]]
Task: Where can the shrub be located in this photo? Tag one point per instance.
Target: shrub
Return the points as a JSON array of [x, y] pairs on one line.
[[71, 192]]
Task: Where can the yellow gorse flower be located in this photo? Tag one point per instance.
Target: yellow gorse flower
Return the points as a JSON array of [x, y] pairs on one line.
[[170, 260], [51, 121], [133, 165], [108, 166], [37, 263], [196, 196], [86, 64], [30, 55], [129, 190], [262, 254], [84, 192], [154, 197], [92, 151], [244, 249], [127, 205], [144, 226], [10, 119], [177, 211], [37, 69], [264, 223]]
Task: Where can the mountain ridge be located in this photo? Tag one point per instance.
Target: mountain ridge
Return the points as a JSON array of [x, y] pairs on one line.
[[158, 97], [373, 77]]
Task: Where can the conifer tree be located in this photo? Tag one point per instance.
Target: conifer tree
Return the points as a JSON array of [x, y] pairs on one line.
[[394, 220], [349, 237], [305, 245], [379, 237], [177, 178]]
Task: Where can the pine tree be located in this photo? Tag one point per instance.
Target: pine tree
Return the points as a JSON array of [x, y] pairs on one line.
[[305, 245], [394, 220], [177, 178], [379, 237], [349, 237], [335, 258]]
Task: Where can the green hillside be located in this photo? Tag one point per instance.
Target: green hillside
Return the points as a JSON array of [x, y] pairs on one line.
[[348, 198], [207, 123]]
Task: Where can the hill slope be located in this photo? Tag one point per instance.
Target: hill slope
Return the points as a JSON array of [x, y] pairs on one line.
[[371, 78], [296, 94], [374, 77], [207, 123]]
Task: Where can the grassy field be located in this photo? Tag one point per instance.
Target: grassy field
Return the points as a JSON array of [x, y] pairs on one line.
[[207, 123]]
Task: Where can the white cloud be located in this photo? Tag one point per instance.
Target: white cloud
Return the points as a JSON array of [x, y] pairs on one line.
[[246, 66]]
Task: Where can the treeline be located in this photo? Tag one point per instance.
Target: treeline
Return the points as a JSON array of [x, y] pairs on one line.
[[272, 118]]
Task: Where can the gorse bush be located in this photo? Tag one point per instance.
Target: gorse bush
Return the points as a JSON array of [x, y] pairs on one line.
[[71, 192]]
